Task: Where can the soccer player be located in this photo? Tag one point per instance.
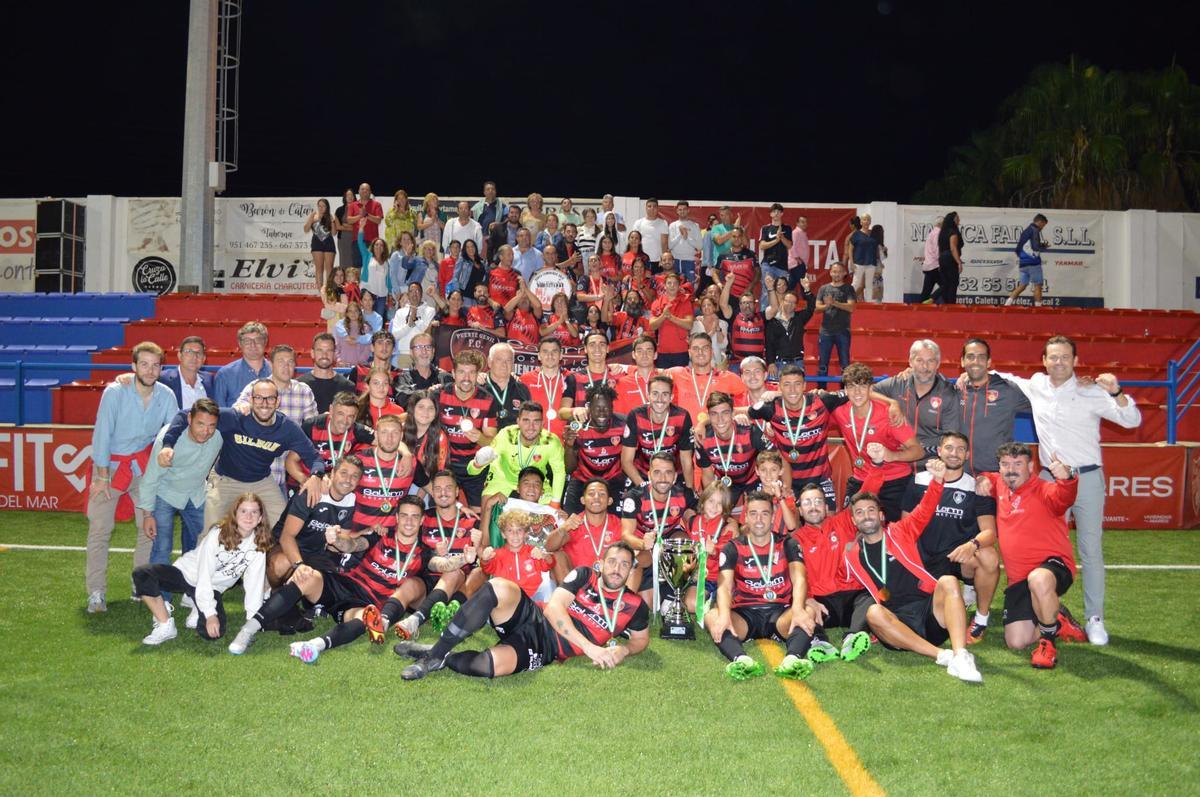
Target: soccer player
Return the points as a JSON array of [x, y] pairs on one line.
[[658, 427], [595, 370], [517, 561], [334, 434], [383, 344], [525, 445], [913, 610], [651, 511], [1037, 552], [388, 471], [960, 539], [300, 532], [582, 539], [760, 595], [388, 575], [633, 386], [549, 385], [585, 616], [864, 421], [695, 382], [468, 415], [235, 550], [726, 452], [593, 448]]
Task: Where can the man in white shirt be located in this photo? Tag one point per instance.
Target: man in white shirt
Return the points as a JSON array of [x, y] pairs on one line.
[[411, 319], [654, 233], [684, 240], [463, 229], [1067, 415], [526, 259]]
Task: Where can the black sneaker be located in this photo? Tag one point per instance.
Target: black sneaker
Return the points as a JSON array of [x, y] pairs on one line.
[[422, 667]]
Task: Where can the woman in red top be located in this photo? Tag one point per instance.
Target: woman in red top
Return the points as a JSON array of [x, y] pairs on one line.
[[633, 252], [424, 436], [610, 261], [377, 399], [713, 526], [451, 312], [639, 281], [561, 326], [518, 560], [446, 266]]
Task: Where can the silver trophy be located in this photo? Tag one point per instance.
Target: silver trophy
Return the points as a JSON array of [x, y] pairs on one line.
[[678, 566]]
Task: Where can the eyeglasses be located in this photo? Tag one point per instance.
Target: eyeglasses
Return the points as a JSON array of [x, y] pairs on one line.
[[264, 399], [422, 347]]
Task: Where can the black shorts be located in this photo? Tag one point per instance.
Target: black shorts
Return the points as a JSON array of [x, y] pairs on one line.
[[327, 245], [826, 486], [572, 500], [1018, 604], [941, 566], [760, 620], [528, 632], [338, 596], [918, 615], [841, 606], [891, 495]]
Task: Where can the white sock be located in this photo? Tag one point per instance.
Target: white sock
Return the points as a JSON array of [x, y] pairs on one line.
[[318, 643], [980, 619]]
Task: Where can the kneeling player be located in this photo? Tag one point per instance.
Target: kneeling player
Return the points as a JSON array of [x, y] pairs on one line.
[[913, 610], [584, 617], [760, 595]]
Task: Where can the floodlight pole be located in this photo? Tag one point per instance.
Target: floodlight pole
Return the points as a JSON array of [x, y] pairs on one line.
[[199, 143]]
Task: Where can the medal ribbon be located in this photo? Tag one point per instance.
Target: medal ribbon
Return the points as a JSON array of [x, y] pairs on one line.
[[794, 437], [727, 459], [860, 440], [523, 461], [882, 562], [387, 487], [453, 530], [696, 386], [597, 548], [764, 572], [400, 574], [503, 399], [702, 568], [611, 622]]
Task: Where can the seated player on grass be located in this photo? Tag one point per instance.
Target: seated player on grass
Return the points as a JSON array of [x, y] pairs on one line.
[[517, 560], [652, 511], [1037, 554], [388, 575], [233, 550], [582, 539], [913, 610], [584, 616], [760, 595]]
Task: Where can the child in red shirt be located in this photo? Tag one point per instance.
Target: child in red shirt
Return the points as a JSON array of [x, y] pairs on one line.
[[517, 561]]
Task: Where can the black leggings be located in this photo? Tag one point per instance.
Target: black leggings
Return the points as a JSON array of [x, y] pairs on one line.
[[151, 580], [932, 280], [949, 279]]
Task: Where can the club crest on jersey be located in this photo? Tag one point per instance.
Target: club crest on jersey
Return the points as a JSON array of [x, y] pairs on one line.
[[959, 496], [614, 440], [935, 402], [670, 430], [474, 412], [993, 395]]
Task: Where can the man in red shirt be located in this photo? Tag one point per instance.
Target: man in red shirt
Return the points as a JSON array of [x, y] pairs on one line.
[[872, 441], [698, 380], [522, 312], [365, 215], [1030, 519], [671, 317], [583, 538], [503, 280], [484, 314], [550, 385]]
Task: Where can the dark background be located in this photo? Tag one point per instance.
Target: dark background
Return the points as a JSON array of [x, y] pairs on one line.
[[825, 102]]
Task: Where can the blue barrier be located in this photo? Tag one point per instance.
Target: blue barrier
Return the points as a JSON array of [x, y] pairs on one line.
[[66, 305]]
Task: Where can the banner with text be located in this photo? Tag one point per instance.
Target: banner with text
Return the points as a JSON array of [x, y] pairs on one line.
[[18, 235], [44, 467], [1073, 266]]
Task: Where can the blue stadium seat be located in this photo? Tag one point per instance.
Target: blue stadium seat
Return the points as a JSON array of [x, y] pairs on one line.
[[38, 401], [67, 305]]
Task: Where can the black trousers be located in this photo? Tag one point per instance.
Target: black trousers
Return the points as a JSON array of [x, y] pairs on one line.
[[932, 280], [152, 580], [948, 289]]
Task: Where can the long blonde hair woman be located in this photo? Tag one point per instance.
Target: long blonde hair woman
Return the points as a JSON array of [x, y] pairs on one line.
[[429, 220], [532, 217]]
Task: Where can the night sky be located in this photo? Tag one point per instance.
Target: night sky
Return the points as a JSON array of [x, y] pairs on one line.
[[829, 102]]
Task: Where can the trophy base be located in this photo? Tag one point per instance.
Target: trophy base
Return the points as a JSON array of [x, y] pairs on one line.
[[673, 630]]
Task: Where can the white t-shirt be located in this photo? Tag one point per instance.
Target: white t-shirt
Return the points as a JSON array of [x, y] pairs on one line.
[[684, 248], [652, 235], [405, 332], [456, 231]]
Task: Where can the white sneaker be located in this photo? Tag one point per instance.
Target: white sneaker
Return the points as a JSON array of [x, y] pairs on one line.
[[1096, 632], [187, 602], [962, 666], [968, 595], [162, 632], [96, 603], [243, 640], [193, 618], [944, 657]]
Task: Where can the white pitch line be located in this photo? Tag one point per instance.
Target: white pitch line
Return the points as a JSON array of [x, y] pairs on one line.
[[80, 548]]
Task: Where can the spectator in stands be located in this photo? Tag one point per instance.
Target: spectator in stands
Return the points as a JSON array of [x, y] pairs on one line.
[[180, 489], [503, 232], [570, 256], [488, 211], [485, 314], [865, 258], [684, 240], [774, 245], [372, 319], [835, 302], [296, 400], [423, 374], [405, 266], [450, 311], [445, 269], [375, 278], [593, 322], [127, 421], [610, 259], [522, 316], [930, 270], [232, 377], [798, 254], [352, 337], [550, 235], [1029, 261], [412, 318], [653, 231], [634, 253], [526, 259], [560, 326], [949, 260], [785, 330], [365, 215], [463, 228], [875, 293], [333, 297], [721, 239], [322, 380], [470, 272], [609, 227], [930, 401], [429, 220], [671, 318], [747, 327], [400, 219], [347, 249], [188, 382], [737, 263], [532, 218], [606, 209], [567, 214], [323, 247]]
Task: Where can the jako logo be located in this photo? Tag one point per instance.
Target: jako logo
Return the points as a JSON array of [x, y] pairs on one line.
[[16, 237]]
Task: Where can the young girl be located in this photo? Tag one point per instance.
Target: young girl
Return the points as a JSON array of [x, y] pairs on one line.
[[233, 550], [377, 399], [445, 272], [323, 246], [713, 526], [518, 560], [633, 252], [333, 297], [424, 436], [351, 287]]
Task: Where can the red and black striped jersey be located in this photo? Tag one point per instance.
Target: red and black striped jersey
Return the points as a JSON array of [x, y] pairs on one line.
[[379, 488], [330, 449], [741, 266], [760, 575], [523, 327], [585, 379], [673, 435], [733, 457], [456, 529], [479, 408], [800, 435], [718, 530], [598, 453], [386, 565], [625, 609], [502, 284], [626, 326], [653, 514], [747, 337], [484, 315]]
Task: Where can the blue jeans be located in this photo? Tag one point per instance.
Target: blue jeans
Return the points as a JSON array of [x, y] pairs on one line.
[[687, 269], [192, 520], [416, 273], [769, 275], [825, 343], [794, 276]]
